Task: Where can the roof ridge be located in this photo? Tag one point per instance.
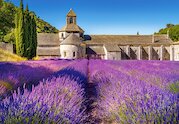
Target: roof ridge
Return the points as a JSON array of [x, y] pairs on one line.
[[71, 13]]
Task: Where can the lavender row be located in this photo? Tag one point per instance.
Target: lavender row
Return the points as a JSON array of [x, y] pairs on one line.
[[14, 75], [59, 99], [158, 73], [124, 99]]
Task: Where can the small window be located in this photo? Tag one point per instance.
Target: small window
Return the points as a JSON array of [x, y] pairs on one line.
[[62, 35], [73, 54], [65, 54], [71, 20]]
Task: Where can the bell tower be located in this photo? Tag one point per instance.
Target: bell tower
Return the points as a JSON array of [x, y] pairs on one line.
[[70, 27], [71, 17]]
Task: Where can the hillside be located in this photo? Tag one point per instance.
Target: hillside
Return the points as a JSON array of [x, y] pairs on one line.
[[7, 15], [7, 56], [173, 31]]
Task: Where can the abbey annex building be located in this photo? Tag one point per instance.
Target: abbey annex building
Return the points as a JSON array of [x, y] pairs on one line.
[[71, 43]]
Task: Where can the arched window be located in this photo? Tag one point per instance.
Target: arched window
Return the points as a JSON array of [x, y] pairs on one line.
[[71, 20]]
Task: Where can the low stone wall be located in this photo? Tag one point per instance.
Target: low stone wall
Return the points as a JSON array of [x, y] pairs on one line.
[[6, 46]]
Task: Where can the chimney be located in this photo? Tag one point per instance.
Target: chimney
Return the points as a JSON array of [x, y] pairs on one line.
[[153, 38], [168, 34]]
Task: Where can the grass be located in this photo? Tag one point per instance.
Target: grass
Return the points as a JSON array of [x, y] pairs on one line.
[[7, 56]]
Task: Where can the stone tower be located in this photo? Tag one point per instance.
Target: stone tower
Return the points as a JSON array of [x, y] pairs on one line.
[[71, 27], [71, 37]]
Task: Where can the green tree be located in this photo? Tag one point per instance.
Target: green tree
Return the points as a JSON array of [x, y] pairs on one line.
[[30, 35], [19, 31], [174, 33], [169, 25], [7, 14], [9, 38], [34, 37], [27, 34]]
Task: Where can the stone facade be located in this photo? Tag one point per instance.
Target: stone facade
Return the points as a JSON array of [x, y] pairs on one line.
[[71, 43], [6, 46]]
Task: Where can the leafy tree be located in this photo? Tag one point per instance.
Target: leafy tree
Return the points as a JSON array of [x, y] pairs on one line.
[[173, 31], [170, 25], [7, 16], [9, 38]]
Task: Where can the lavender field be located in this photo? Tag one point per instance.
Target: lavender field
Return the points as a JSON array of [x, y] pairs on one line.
[[89, 91]]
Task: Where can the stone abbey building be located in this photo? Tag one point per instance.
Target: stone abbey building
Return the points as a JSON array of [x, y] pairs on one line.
[[71, 43]]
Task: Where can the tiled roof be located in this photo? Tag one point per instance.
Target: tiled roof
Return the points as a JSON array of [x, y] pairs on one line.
[[72, 39], [126, 39], [71, 13], [112, 47], [72, 28], [48, 39], [95, 50], [48, 51]]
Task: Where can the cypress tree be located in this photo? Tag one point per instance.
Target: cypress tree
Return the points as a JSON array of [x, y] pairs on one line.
[[34, 38], [19, 31], [27, 33]]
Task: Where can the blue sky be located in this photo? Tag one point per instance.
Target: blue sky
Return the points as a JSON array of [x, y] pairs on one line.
[[109, 16]]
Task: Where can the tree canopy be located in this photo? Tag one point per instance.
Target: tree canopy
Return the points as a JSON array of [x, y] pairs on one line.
[[173, 31], [7, 23], [25, 33]]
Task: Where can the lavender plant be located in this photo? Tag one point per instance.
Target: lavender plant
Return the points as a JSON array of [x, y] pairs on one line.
[[59, 99], [125, 99]]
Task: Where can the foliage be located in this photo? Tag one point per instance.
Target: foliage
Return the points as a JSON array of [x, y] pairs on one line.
[[173, 31], [9, 38], [25, 33], [44, 27], [30, 35], [20, 31], [7, 15], [7, 24]]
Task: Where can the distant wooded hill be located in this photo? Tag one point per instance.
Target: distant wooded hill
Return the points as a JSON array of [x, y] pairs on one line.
[[7, 15], [173, 31]]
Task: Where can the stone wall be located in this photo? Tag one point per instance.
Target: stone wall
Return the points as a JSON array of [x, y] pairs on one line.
[[176, 52], [159, 52], [71, 51], [6, 46], [113, 56]]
